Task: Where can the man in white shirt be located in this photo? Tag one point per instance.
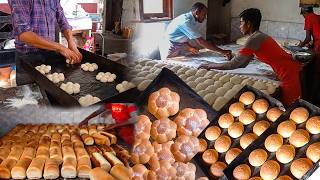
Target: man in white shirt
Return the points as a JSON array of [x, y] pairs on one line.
[[183, 29]]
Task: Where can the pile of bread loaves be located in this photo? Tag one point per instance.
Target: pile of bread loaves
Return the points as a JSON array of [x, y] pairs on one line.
[[53, 150], [166, 145]]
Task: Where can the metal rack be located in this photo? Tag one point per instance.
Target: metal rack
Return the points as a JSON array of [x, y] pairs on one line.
[[6, 56]]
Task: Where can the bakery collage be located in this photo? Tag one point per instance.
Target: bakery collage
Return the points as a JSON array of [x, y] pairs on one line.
[[160, 89]]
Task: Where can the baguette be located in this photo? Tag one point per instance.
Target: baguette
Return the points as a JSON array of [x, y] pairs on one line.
[[104, 164], [68, 169], [101, 139], [20, 169], [84, 167], [28, 152], [113, 138], [51, 169], [88, 140], [35, 169], [99, 174], [120, 172], [5, 168]]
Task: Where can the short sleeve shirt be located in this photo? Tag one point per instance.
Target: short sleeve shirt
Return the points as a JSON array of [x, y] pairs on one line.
[[312, 24]]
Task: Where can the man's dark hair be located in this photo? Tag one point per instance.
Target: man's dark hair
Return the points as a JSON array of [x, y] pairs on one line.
[[198, 6], [253, 16], [307, 9]]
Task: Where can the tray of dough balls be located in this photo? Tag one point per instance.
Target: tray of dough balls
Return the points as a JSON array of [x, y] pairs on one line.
[[216, 87], [93, 80], [172, 116], [242, 120], [56, 151], [288, 150]]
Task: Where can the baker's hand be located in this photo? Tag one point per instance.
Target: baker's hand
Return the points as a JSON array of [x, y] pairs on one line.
[[73, 47], [69, 54], [227, 53], [207, 66], [193, 51]]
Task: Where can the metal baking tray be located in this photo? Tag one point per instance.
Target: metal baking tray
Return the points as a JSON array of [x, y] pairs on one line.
[[248, 128], [259, 143], [89, 85]]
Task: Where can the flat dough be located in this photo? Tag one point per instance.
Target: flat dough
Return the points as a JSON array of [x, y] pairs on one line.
[[144, 84], [201, 72], [228, 85], [210, 98], [191, 72], [88, 100], [219, 103], [259, 85], [201, 86], [199, 80], [70, 88], [212, 88], [221, 91], [225, 78], [202, 93], [236, 80]]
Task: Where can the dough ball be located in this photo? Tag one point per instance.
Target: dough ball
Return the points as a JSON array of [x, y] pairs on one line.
[[259, 85], [232, 154], [199, 80], [218, 84], [299, 138], [201, 86], [273, 142], [85, 68], [221, 91], [225, 78], [299, 115], [212, 88], [286, 128], [247, 82], [210, 98], [236, 80], [228, 85], [202, 93], [258, 157], [260, 127], [201, 72], [192, 84], [230, 94]]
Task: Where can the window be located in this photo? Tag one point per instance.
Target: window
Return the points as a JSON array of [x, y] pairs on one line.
[[155, 9]]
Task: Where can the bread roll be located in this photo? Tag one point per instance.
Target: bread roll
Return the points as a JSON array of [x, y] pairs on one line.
[[142, 152], [69, 168], [299, 138], [56, 154], [88, 140], [139, 171], [15, 154], [236, 129], [83, 167], [225, 120], [260, 106], [273, 142], [236, 109], [313, 152], [185, 170], [163, 130], [247, 139], [242, 172], [68, 152], [4, 152], [203, 145], [257, 157], [210, 156], [92, 129], [270, 170], [101, 139], [81, 153], [286, 128], [313, 125], [43, 153], [217, 169], [35, 169], [102, 161], [212, 133], [112, 138], [28, 152], [98, 174], [274, 113], [51, 169], [285, 177], [232, 154], [120, 172], [56, 137], [299, 115], [83, 130], [300, 167], [185, 148], [247, 98], [260, 127], [20, 169], [247, 117], [5, 168], [222, 144]]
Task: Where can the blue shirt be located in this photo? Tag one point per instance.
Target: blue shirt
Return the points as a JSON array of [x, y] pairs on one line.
[[183, 28]]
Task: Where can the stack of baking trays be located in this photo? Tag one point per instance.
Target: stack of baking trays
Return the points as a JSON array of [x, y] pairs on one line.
[[56, 151], [95, 79]]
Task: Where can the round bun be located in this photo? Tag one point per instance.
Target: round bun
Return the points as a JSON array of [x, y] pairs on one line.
[[313, 125], [225, 120], [313, 152], [285, 177], [260, 127], [247, 139], [191, 122], [236, 129], [236, 109], [247, 98], [241, 172], [142, 127], [273, 142], [247, 117], [210, 156], [258, 157], [274, 113], [142, 151], [185, 170], [260, 106], [286, 128], [299, 138], [232, 154], [300, 167], [299, 115], [162, 152], [139, 171], [163, 130], [212, 133], [270, 170], [165, 170], [222, 144], [203, 145], [285, 154], [185, 147], [163, 103], [217, 169]]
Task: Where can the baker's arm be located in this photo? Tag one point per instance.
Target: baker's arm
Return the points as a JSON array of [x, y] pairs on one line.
[[307, 39], [239, 61]]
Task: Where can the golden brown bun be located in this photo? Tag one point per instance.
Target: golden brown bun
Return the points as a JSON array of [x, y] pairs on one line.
[[139, 171], [101, 139], [15, 154], [163, 103], [247, 117], [185, 148], [222, 144], [273, 142], [232, 154], [88, 140], [225, 120], [247, 98], [142, 127], [286, 128], [274, 113], [191, 122], [35, 169], [162, 152], [285, 154], [98, 174], [210, 156], [236, 129], [236, 109], [313, 152], [163, 130], [260, 127], [300, 167], [242, 172], [217, 169], [28, 152], [5, 168], [20, 169], [83, 167], [120, 172], [165, 171], [299, 138], [203, 145], [260, 106], [299, 115], [69, 169], [142, 151], [185, 170], [258, 157], [313, 125], [212, 133], [247, 139], [51, 169], [270, 170], [285, 177]]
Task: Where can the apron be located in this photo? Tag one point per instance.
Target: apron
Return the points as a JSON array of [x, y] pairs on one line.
[[316, 87]]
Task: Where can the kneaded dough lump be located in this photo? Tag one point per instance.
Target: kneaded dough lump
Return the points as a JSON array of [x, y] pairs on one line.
[[124, 86], [106, 77], [89, 67], [56, 77], [88, 100], [70, 88], [43, 69]]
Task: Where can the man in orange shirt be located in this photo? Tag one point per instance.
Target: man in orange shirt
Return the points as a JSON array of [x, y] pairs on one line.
[[312, 27], [268, 51]]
